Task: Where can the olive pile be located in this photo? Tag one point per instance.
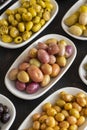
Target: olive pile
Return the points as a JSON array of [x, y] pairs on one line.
[[77, 22], [4, 113], [24, 21], [85, 68], [43, 62], [67, 113]]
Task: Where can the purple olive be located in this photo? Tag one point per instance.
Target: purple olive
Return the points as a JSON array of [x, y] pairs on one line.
[[68, 51], [32, 87], [20, 86]]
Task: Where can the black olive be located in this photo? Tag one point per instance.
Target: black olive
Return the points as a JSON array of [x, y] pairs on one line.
[[5, 117], [6, 110]]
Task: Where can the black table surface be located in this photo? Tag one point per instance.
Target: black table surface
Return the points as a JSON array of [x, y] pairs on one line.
[[70, 78]]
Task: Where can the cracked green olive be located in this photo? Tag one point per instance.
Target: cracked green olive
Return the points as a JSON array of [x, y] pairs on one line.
[[6, 38], [14, 32]]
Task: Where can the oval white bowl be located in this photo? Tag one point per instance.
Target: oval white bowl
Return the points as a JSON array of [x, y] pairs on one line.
[[52, 98], [73, 9], [10, 84], [12, 45], [5, 101], [82, 71]]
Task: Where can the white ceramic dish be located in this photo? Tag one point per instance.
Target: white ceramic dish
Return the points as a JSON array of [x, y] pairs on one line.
[[82, 71], [4, 4], [4, 100], [12, 45], [73, 9], [52, 98], [10, 84]]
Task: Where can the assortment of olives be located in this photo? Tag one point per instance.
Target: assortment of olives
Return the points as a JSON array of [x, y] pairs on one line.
[[77, 22], [67, 113], [85, 68], [4, 113], [42, 63], [22, 22]]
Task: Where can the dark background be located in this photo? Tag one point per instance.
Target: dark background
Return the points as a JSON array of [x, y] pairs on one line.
[[70, 78]]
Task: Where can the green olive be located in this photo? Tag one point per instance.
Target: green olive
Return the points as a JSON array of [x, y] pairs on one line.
[[32, 11], [6, 38], [18, 40], [75, 30], [42, 3], [26, 35], [46, 16], [22, 10], [32, 2], [42, 21], [3, 22], [9, 12], [14, 22], [21, 27], [36, 27], [29, 26], [37, 7], [27, 16], [74, 112], [36, 20], [18, 17], [10, 18], [35, 62]]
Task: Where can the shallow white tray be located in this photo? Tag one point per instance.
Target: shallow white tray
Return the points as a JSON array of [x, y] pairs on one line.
[[5, 101], [73, 9], [82, 71], [17, 4], [11, 84], [4, 4], [52, 98]]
